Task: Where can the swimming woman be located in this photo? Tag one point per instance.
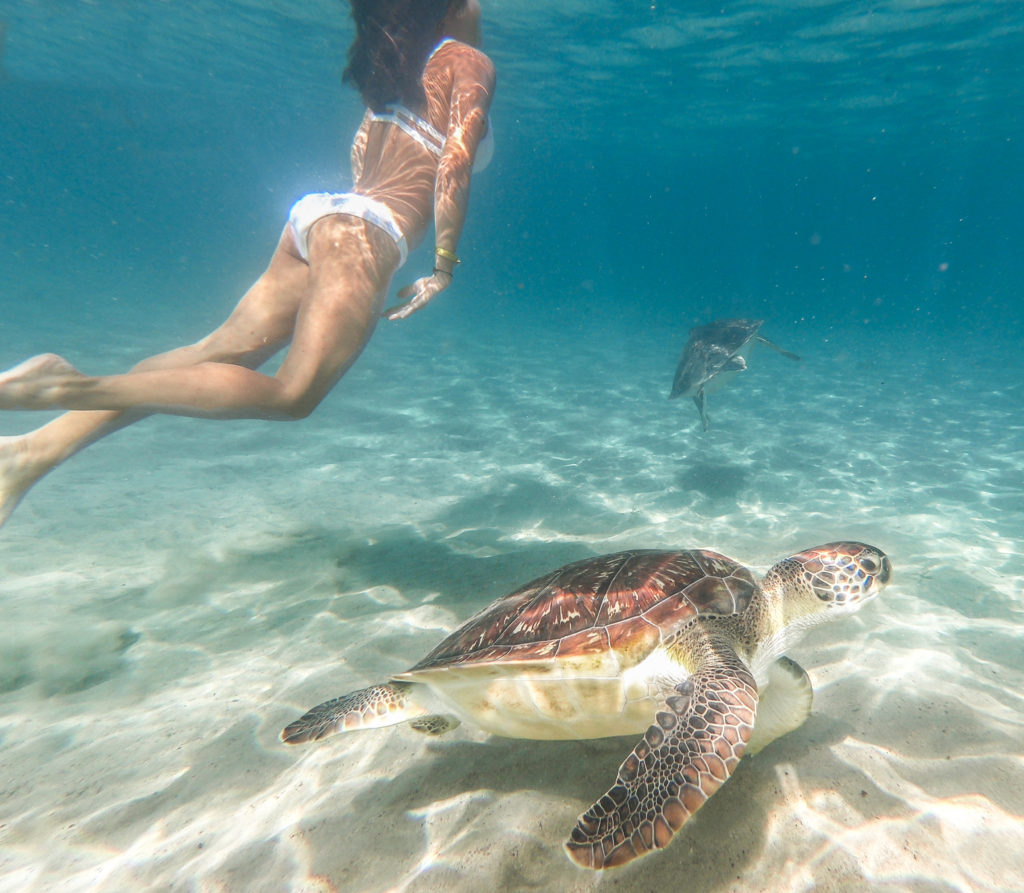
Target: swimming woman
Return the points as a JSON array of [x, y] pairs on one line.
[[427, 89]]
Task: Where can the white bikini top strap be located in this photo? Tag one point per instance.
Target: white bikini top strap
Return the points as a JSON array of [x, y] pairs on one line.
[[423, 132]]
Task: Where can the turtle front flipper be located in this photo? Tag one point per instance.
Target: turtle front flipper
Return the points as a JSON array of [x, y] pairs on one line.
[[788, 354], [683, 758], [368, 708]]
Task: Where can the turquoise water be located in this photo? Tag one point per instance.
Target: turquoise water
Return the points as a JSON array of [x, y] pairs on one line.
[[850, 172]]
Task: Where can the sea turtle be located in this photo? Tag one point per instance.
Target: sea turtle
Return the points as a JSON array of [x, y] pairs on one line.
[[713, 355], [686, 645]]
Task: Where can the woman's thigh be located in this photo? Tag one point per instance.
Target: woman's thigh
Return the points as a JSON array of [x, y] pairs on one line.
[[351, 265], [264, 319]]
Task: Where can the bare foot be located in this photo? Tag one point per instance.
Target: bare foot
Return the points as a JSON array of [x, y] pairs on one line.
[[18, 472], [37, 383]]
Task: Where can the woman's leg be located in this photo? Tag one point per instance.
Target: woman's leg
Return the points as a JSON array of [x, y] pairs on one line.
[[347, 282], [260, 325], [329, 307]]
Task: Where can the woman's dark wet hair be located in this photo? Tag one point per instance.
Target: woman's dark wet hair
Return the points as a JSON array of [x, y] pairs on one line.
[[393, 40]]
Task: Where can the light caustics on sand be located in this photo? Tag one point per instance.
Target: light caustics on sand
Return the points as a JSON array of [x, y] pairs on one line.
[[258, 569]]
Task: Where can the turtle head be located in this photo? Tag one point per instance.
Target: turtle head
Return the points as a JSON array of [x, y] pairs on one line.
[[828, 581]]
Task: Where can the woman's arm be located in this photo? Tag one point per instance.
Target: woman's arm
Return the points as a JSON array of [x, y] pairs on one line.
[[473, 84], [472, 91]]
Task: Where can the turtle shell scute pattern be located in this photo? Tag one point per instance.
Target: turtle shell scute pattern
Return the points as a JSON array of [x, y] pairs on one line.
[[627, 601]]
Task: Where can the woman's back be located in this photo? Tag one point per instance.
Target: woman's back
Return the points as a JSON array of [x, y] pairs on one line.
[[397, 153]]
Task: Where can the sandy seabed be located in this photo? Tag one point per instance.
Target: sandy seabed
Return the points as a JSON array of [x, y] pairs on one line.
[[174, 596]]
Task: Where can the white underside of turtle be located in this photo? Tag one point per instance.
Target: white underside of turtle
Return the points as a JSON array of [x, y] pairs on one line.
[[563, 704]]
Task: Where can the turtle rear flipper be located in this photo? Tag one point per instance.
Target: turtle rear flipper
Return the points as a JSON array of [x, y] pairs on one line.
[[368, 708], [702, 407], [435, 724], [683, 758]]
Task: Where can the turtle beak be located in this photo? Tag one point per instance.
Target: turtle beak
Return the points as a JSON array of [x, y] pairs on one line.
[[885, 572]]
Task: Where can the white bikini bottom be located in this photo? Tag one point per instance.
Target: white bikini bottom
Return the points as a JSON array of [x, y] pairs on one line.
[[310, 208]]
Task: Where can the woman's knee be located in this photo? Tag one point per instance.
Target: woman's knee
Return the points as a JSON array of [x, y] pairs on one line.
[[297, 403], [296, 411]]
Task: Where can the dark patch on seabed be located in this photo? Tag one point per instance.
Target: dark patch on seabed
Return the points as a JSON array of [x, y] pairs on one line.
[[715, 480]]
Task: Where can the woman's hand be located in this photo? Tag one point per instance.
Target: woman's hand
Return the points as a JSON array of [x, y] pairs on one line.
[[420, 293]]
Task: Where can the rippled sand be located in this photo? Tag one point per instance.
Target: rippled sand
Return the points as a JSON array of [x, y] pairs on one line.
[[173, 597]]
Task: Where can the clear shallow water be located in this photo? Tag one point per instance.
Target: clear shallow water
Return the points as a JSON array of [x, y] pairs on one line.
[[172, 596]]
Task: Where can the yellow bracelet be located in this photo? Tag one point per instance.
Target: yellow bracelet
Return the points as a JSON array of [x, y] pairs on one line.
[[447, 255]]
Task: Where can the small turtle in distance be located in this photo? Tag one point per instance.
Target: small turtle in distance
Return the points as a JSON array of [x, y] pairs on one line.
[[685, 647], [714, 355]]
